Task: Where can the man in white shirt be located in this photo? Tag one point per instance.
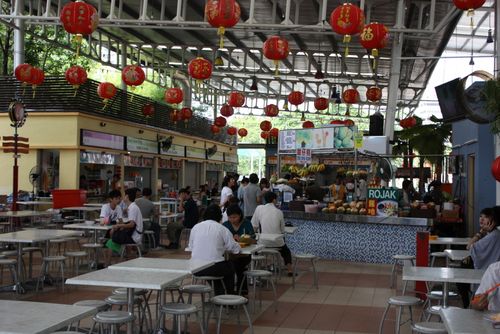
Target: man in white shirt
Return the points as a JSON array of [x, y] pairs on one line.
[[208, 241], [130, 232], [268, 219], [487, 295], [112, 212]]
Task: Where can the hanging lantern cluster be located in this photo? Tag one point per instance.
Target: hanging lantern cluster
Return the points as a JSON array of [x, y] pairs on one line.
[[226, 110], [276, 48], [274, 133], [29, 75], [79, 19], [374, 37], [222, 14], [271, 110], [321, 103], [106, 91], [186, 114], [374, 94], [174, 96], [347, 20], [148, 110], [242, 132], [236, 99], [200, 69], [76, 76], [408, 122]]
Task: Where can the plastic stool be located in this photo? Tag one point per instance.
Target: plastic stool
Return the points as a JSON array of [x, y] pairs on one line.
[[275, 257], [258, 261], [178, 310], [112, 318], [124, 248], [429, 328], [30, 251], [197, 289], [399, 301], [12, 265], [100, 305], [263, 275], [231, 300], [436, 255], [122, 300], [397, 265], [95, 247], [45, 269], [150, 237], [210, 280], [310, 257]]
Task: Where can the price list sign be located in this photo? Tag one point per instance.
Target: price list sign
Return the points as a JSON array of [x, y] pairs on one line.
[[303, 156]]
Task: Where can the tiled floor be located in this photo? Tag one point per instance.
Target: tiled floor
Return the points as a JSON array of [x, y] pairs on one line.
[[350, 299]]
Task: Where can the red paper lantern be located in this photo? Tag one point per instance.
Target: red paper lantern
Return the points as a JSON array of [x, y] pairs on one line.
[[200, 69], [348, 122], [175, 116], [408, 122], [133, 76], [106, 91], [271, 110], [274, 132], [374, 94], [226, 110], [296, 98], [215, 129], [222, 14], [23, 72], [76, 76], [174, 95], [374, 37], [231, 131], [79, 18], [495, 168], [242, 132], [350, 96], [468, 5], [321, 103], [220, 122], [347, 20], [308, 125], [186, 114], [337, 122], [236, 99], [37, 78], [264, 135], [265, 126], [276, 48], [148, 110]]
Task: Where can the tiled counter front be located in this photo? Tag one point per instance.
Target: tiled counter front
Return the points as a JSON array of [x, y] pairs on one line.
[[352, 241]]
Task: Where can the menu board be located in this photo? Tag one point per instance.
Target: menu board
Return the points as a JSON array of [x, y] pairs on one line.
[[315, 139], [97, 158], [101, 139], [337, 137], [383, 201], [195, 152], [230, 158], [218, 156], [174, 150], [141, 145]]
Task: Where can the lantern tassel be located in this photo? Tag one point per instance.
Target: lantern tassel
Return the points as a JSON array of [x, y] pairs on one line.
[[375, 55], [105, 101], [470, 13], [76, 89], [347, 40], [221, 32], [24, 84], [132, 88], [185, 124], [276, 68], [34, 90], [78, 40]]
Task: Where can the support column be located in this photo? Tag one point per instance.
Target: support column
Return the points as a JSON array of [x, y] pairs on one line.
[[123, 62], [397, 46], [496, 73], [69, 169], [19, 34], [155, 177]]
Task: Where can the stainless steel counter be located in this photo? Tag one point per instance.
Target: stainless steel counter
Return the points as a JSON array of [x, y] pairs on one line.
[[361, 219]]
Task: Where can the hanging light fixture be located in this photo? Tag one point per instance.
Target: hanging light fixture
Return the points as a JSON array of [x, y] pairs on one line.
[[319, 72], [254, 83], [335, 94], [489, 39], [218, 61]]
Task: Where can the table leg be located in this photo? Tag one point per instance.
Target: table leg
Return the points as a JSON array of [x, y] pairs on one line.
[[445, 294], [20, 278], [130, 297]]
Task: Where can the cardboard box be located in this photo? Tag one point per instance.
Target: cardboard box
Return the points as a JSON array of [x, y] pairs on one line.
[[450, 213]]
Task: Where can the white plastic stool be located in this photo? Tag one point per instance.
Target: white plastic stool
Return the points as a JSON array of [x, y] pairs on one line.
[[429, 328], [400, 302], [398, 262], [231, 300], [308, 257]]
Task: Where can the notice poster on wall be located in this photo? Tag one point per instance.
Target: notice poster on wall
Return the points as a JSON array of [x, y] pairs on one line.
[[101, 139], [195, 152], [286, 140], [315, 139], [383, 202], [141, 145], [174, 150]]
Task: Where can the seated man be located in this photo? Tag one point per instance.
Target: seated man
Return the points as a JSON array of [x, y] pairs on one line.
[[188, 206], [129, 232], [111, 213], [268, 219], [208, 241], [149, 211], [487, 295]]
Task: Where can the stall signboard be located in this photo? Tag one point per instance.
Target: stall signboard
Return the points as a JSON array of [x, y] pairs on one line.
[[358, 140], [272, 160], [135, 161], [195, 152], [303, 156], [169, 164], [345, 162], [97, 158], [328, 138], [286, 140], [217, 156], [101, 139], [174, 150], [287, 160], [230, 158], [315, 139], [383, 201], [141, 145]]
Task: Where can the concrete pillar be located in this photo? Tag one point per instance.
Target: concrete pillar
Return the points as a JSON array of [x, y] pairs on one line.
[[19, 34], [69, 169]]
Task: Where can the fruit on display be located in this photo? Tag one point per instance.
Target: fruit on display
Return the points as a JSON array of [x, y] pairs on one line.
[[343, 138], [305, 171], [340, 207]]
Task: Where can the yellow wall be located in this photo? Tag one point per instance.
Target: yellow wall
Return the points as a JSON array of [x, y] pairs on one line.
[[61, 131]]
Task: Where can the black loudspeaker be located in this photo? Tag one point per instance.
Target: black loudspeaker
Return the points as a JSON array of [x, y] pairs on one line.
[[376, 124]]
